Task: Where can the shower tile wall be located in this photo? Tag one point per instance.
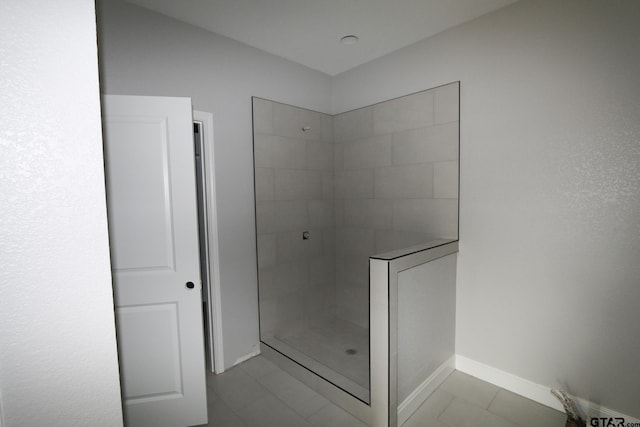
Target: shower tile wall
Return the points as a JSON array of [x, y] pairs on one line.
[[396, 185], [363, 182], [294, 193]]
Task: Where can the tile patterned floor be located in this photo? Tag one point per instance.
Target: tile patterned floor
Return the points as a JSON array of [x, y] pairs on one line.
[[257, 393]]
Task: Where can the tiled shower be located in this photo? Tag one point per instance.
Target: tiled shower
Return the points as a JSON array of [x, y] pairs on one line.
[[332, 191]]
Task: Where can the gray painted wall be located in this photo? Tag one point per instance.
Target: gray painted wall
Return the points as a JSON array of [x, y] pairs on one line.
[[144, 53], [58, 360], [550, 214], [548, 272]]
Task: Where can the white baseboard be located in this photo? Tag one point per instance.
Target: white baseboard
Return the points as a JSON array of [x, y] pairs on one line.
[[424, 390], [536, 392], [246, 357]]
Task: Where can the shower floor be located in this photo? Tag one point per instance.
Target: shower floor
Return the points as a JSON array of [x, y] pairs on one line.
[[336, 349]]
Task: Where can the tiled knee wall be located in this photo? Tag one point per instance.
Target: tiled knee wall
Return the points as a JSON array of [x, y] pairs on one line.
[[362, 182]]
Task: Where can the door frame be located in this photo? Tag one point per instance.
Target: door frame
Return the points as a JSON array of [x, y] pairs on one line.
[[214, 315]]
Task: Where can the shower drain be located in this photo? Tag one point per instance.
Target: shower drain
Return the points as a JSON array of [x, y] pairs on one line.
[[351, 351]]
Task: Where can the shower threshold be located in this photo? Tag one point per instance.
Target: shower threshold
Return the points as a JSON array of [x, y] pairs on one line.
[[335, 349]]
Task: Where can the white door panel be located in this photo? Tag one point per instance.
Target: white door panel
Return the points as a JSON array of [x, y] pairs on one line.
[[149, 163], [141, 220]]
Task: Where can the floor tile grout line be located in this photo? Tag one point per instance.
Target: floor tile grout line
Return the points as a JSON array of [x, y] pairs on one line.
[[445, 408], [267, 390], [498, 415], [291, 407], [258, 376], [320, 409], [236, 411], [272, 395], [306, 418], [229, 407], [491, 401], [519, 396], [454, 397]]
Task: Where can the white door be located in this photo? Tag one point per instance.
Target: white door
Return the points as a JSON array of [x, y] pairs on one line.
[[151, 198]]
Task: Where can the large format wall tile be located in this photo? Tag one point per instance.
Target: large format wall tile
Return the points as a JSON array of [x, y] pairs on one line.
[[262, 116], [319, 156], [294, 160], [274, 217], [273, 151], [445, 180], [264, 184], [296, 122], [413, 159], [446, 103], [354, 184], [295, 184], [407, 112], [328, 185], [327, 128], [370, 213], [322, 271], [367, 153], [362, 182], [404, 182], [354, 241], [388, 240], [423, 145], [292, 247], [355, 124], [437, 216], [321, 214], [266, 250]]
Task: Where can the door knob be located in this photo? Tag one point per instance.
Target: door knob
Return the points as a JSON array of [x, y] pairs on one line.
[[190, 285]]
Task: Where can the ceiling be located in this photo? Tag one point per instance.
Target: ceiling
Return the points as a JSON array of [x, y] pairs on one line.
[[308, 31]]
